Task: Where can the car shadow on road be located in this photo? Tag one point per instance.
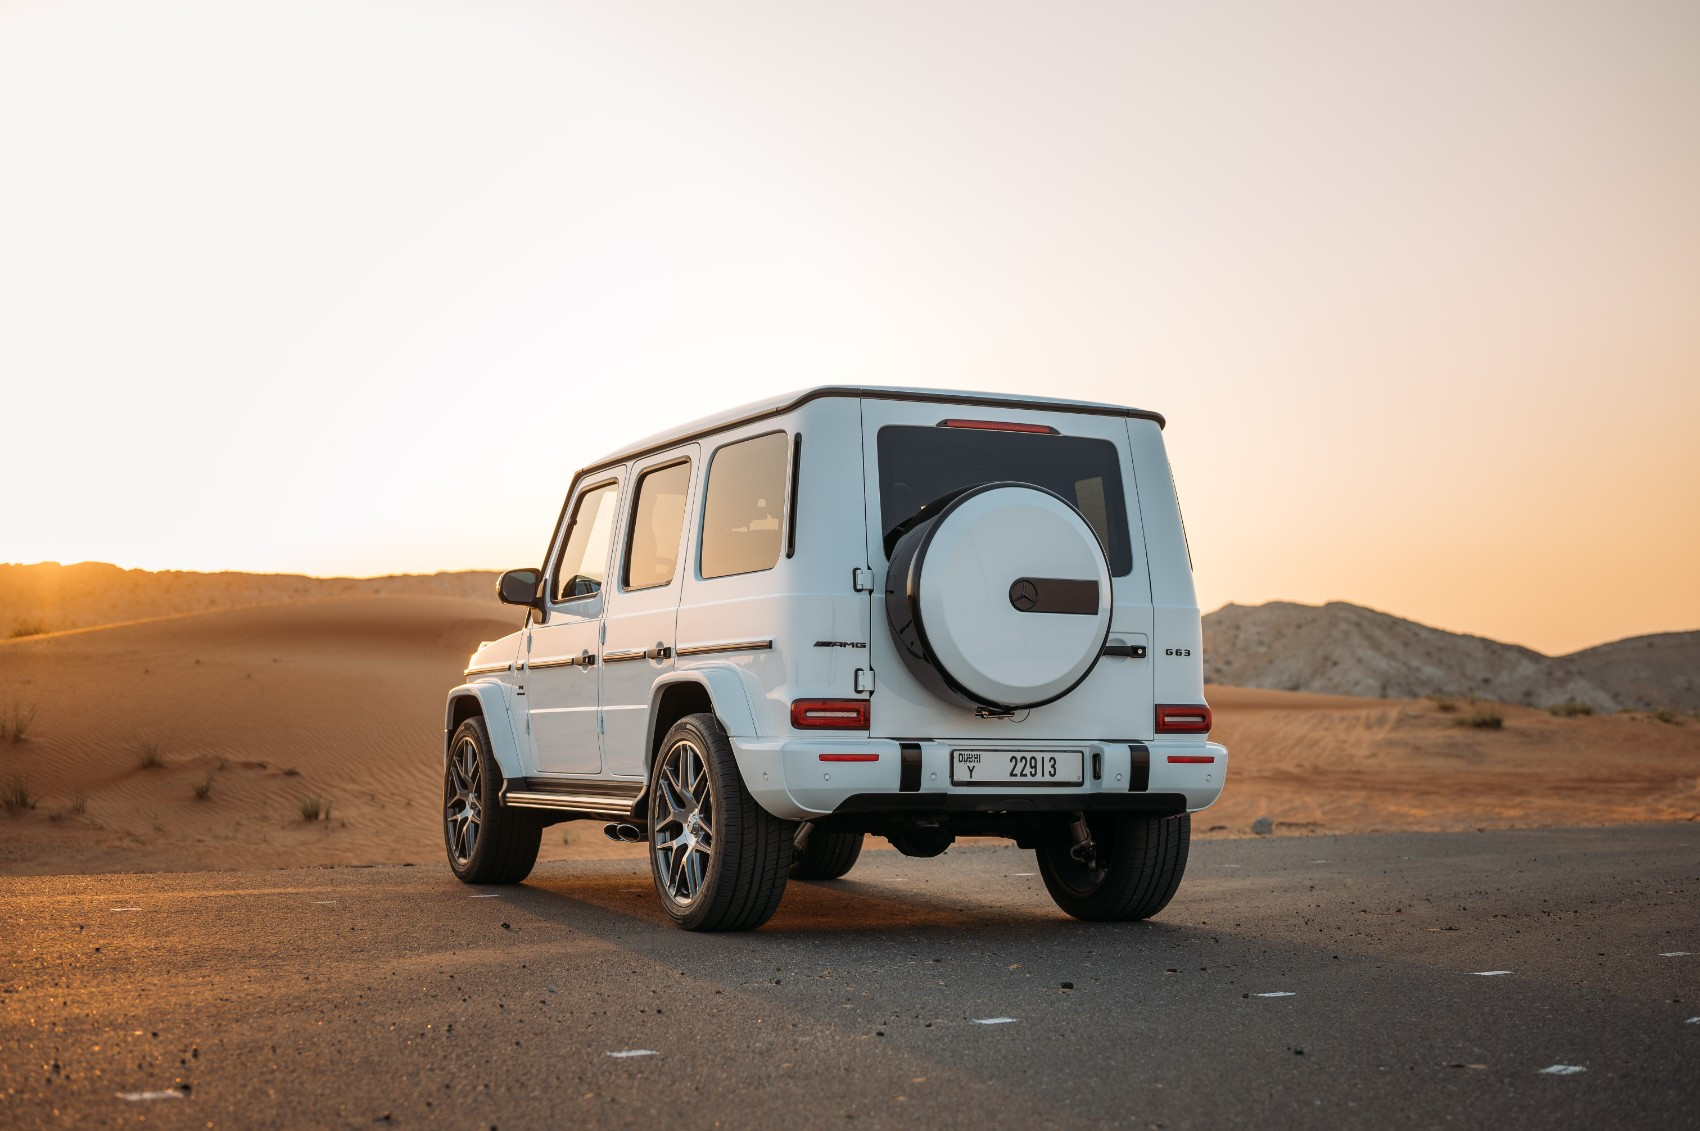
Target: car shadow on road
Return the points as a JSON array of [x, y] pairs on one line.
[[613, 906]]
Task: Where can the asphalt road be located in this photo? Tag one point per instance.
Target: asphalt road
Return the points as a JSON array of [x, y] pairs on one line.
[[397, 996]]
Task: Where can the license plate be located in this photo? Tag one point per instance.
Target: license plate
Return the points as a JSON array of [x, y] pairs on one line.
[[1017, 767]]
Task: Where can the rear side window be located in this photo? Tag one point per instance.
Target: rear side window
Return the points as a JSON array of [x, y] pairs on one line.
[[922, 469], [743, 518], [584, 556], [658, 522]]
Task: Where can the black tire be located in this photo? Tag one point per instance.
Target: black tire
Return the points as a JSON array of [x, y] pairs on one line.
[[717, 857], [1139, 864], [487, 842], [827, 856]]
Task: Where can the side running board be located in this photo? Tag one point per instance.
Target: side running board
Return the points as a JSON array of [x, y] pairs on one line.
[[593, 798]]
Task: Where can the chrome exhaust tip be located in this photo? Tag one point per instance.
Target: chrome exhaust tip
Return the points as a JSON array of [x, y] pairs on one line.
[[621, 831]]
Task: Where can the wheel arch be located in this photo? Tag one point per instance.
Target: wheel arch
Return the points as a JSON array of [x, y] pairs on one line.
[[717, 689], [488, 700]]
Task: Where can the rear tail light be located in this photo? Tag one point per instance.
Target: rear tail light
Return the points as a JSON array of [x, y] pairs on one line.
[[830, 714], [1172, 719], [1000, 426], [849, 757]]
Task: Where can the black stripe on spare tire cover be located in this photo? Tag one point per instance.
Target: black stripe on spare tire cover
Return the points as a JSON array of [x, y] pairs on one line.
[[903, 606], [1054, 595]]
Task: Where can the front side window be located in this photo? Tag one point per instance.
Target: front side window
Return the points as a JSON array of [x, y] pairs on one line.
[[584, 558], [921, 469], [743, 518], [658, 522]]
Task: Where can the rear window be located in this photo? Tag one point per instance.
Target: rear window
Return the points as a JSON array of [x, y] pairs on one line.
[[746, 505], [921, 469]]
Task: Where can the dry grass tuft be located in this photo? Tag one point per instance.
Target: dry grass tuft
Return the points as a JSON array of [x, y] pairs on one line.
[[79, 804], [1666, 715], [19, 717], [15, 798], [1487, 719], [22, 628], [315, 809], [150, 753], [1569, 709], [1442, 704], [203, 789]]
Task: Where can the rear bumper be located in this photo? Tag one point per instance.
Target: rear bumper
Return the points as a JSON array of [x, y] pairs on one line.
[[790, 780]]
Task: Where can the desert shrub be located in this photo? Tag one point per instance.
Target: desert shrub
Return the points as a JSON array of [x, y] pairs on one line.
[[315, 809], [1570, 708], [203, 789], [27, 628], [79, 804], [150, 753], [1666, 715], [1443, 704], [1485, 719], [15, 798], [16, 723]]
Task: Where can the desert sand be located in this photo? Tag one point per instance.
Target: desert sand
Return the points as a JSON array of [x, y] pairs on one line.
[[339, 699]]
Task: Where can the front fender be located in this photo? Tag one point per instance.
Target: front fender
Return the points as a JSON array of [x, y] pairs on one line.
[[493, 700]]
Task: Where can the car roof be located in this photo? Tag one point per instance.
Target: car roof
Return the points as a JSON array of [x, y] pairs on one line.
[[785, 402]]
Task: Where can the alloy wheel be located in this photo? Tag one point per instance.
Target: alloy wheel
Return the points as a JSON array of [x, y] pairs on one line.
[[683, 834], [462, 805]]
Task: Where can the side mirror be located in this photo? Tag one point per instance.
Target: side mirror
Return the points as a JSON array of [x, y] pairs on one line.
[[520, 587]]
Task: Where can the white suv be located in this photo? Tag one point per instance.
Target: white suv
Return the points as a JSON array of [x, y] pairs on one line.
[[918, 614]]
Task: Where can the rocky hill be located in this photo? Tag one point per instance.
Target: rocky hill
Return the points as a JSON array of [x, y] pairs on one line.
[[1345, 649]]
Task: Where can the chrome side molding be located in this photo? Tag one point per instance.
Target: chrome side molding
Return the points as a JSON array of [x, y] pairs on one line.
[[736, 646]]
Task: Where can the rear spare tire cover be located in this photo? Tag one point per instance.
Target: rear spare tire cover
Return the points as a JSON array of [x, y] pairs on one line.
[[1001, 600]]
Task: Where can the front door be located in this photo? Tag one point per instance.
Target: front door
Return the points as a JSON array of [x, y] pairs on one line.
[[643, 604], [561, 668]]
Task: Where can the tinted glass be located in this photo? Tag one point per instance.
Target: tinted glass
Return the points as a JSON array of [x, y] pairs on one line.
[[921, 469], [584, 559], [743, 520], [658, 520]]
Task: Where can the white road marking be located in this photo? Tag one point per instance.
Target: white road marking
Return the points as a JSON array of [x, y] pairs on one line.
[[1021, 874], [165, 1094], [995, 1020], [1674, 954], [1319, 861], [123, 908], [1278, 993], [633, 1052], [486, 895], [1489, 973], [1563, 1070], [320, 902], [1692, 1021]]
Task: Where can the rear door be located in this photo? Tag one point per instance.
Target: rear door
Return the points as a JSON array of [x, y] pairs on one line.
[[917, 453], [643, 607]]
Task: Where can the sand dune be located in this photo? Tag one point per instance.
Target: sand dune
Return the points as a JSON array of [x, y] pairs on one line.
[[49, 597], [1326, 763], [340, 699]]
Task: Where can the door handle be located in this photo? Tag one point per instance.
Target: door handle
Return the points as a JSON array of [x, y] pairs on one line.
[[587, 659], [660, 652]]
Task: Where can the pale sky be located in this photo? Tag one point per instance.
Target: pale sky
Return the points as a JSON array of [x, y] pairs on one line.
[[353, 287]]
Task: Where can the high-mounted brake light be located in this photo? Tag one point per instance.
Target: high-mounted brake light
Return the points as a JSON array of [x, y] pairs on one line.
[[830, 714], [1000, 426], [1172, 719]]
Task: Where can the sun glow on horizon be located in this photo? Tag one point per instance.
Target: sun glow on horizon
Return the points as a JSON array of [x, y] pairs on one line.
[[352, 290]]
